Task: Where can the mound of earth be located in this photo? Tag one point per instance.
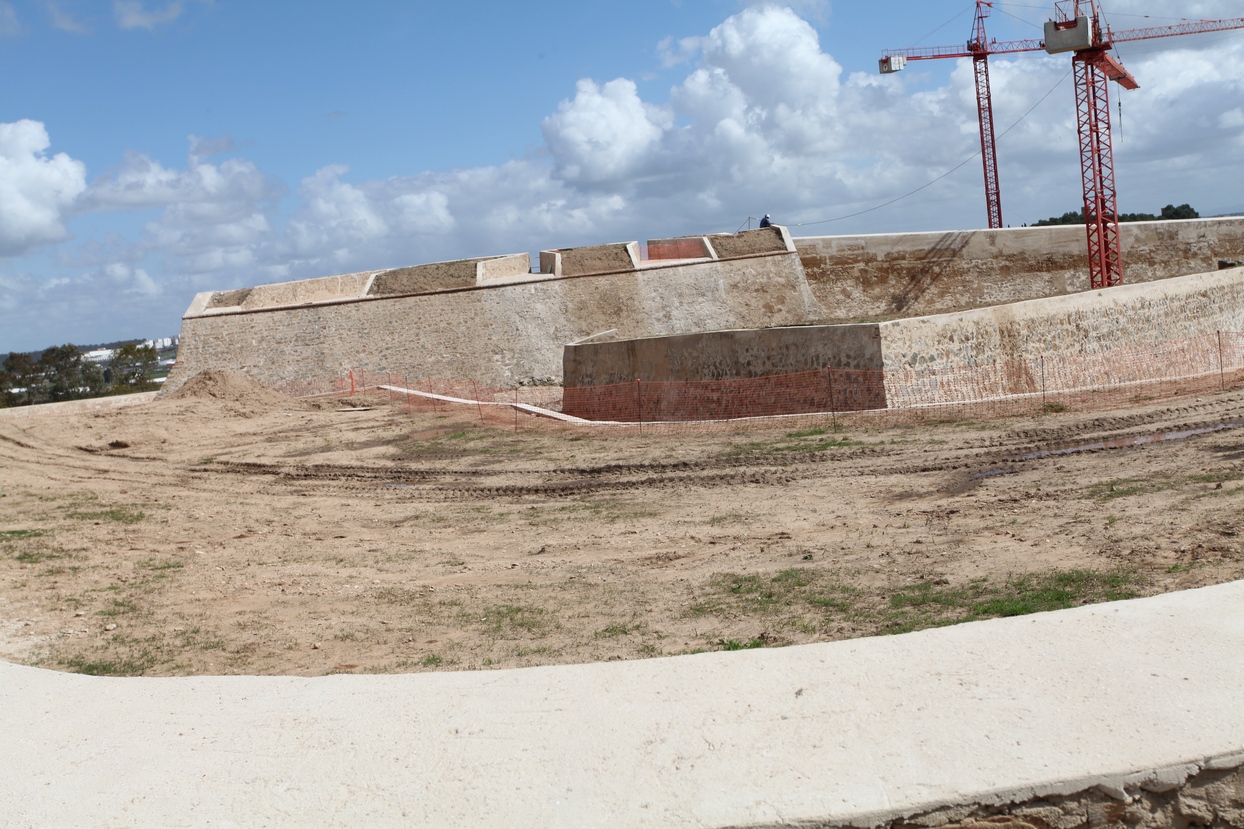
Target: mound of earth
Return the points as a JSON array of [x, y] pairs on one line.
[[748, 242], [227, 387]]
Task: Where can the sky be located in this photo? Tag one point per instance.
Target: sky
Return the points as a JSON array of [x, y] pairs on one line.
[[152, 149]]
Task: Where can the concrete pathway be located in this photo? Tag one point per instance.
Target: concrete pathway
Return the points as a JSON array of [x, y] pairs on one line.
[[859, 731]]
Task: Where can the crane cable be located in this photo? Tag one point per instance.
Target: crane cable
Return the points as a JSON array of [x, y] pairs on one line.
[[954, 169]]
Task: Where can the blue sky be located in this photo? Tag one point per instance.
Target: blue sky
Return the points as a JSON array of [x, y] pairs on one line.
[[152, 149]]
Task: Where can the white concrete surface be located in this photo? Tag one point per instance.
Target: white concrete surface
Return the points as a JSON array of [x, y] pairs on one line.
[[66, 407], [856, 731]]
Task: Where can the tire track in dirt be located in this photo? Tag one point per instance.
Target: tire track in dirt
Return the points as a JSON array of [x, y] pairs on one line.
[[1011, 452]]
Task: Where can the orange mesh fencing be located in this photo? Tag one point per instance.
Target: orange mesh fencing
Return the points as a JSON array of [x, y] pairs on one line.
[[1111, 379]]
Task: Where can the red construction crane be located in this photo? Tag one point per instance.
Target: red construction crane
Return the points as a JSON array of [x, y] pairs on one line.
[[1077, 27]]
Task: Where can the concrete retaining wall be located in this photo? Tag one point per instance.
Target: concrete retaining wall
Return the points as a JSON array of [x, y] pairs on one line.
[[868, 278], [720, 355], [495, 334], [673, 378], [1001, 343], [1085, 323]]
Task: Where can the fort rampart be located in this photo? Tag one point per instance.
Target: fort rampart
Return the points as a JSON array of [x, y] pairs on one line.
[[881, 277], [497, 331], [493, 321]]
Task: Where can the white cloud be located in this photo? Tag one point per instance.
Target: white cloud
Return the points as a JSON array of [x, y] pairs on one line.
[[65, 21], [604, 134], [335, 215], [214, 216], [9, 24], [131, 280], [35, 191], [426, 212], [131, 14], [205, 191]]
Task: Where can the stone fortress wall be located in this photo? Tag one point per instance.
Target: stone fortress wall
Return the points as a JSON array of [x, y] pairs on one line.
[[501, 326], [493, 321], [880, 277]]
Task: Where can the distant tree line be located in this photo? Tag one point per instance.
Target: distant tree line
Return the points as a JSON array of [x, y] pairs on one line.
[[1169, 213], [61, 373]]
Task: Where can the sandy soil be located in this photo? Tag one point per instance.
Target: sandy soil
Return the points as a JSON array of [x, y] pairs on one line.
[[425, 278], [763, 240], [232, 530], [599, 259]]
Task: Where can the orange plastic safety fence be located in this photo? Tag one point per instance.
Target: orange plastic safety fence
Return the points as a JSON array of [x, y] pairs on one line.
[[1101, 381]]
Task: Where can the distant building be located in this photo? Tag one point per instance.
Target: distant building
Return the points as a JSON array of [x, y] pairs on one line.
[[99, 355]]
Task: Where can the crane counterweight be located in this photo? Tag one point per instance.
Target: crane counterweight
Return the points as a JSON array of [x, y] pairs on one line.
[[1068, 37]]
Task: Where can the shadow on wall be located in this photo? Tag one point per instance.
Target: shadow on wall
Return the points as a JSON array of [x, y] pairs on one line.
[[932, 266]]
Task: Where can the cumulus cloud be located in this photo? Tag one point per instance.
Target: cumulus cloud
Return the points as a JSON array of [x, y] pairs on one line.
[[131, 14], [208, 191], [214, 216], [335, 215], [605, 133], [35, 191]]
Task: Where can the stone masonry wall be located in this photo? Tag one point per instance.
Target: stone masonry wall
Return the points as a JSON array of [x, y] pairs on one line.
[[1090, 322], [513, 329], [496, 335], [1212, 797], [871, 278]]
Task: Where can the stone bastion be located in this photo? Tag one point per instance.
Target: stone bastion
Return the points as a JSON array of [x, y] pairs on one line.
[[494, 321]]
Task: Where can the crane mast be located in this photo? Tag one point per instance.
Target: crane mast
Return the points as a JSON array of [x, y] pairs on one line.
[[979, 47]]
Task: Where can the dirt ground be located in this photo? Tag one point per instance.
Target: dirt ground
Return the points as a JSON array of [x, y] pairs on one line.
[[236, 531]]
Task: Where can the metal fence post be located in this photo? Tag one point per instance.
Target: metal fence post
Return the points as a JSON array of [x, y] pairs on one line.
[[833, 405], [1222, 374], [639, 402], [478, 404], [1044, 405]]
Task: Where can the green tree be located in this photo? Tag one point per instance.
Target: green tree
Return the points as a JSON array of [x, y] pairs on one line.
[[68, 376], [132, 366], [20, 371], [93, 382], [1071, 218], [1169, 213], [1184, 211]]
